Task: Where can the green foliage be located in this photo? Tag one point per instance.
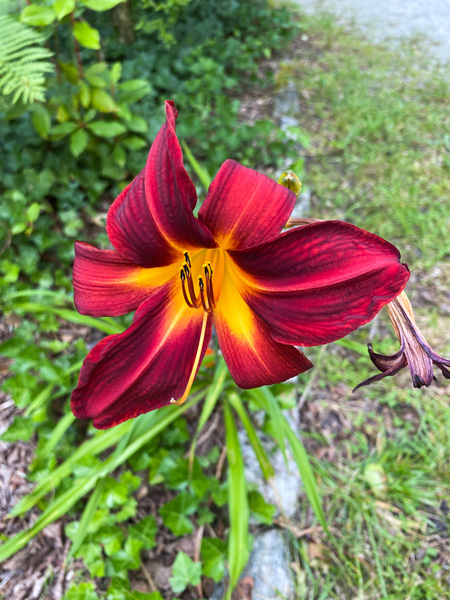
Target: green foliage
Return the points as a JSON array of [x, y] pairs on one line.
[[87, 135], [23, 62], [185, 572]]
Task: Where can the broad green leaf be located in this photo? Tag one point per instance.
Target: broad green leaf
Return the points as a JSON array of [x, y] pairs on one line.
[[33, 212], [101, 5], [63, 8], [238, 548], [78, 142], [85, 94], [134, 90], [97, 75], [103, 101], [87, 35], [260, 509], [41, 120], [175, 513], [145, 531], [107, 129], [120, 156], [116, 72], [134, 142], [63, 129], [185, 572], [213, 555], [261, 455], [137, 124], [38, 16]]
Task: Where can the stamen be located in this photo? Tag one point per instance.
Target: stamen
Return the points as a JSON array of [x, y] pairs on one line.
[[195, 365], [183, 287], [209, 286], [206, 308], [187, 259], [195, 301]]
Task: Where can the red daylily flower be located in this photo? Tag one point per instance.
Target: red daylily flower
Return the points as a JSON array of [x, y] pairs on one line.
[[265, 291], [415, 352]]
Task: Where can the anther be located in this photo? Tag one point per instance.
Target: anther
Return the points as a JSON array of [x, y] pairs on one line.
[[201, 285], [209, 288], [187, 259]]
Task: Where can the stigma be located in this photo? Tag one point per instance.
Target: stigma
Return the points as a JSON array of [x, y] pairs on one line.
[[205, 297]]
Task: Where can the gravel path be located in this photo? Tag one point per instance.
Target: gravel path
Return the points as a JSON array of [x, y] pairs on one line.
[[393, 19]]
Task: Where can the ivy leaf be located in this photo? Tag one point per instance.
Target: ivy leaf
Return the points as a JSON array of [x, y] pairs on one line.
[[20, 429], [185, 572], [213, 553], [91, 553], [174, 513], [87, 35], [82, 591], [145, 531], [260, 509]]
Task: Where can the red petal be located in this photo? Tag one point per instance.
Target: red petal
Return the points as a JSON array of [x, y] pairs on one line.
[[244, 208], [316, 284], [132, 229], [170, 193], [141, 369], [106, 284], [252, 356], [151, 221]]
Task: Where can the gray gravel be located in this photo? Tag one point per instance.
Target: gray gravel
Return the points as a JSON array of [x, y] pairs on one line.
[[392, 19]]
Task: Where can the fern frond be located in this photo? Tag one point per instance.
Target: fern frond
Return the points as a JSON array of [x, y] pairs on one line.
[[23, 62]]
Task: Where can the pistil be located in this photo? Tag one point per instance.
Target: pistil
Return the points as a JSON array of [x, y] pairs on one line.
[[195, 365]]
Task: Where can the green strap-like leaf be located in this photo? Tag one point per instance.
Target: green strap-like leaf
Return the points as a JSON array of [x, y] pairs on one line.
[[307, 474], [261, 455], [238, 547], [214, 391]]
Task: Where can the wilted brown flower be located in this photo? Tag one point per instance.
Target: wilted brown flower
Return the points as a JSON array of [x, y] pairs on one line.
[[415, 352]]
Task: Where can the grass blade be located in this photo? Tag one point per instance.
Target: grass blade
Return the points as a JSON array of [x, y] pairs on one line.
[[238, 548], [105, 324], [214, 391], [306, 473], [58, 432], [200, 171], [261, 455], [86, 518], [269, 403]]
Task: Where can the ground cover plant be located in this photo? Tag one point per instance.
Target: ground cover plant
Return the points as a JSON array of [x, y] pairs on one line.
[[378, 123], [127, 517]]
